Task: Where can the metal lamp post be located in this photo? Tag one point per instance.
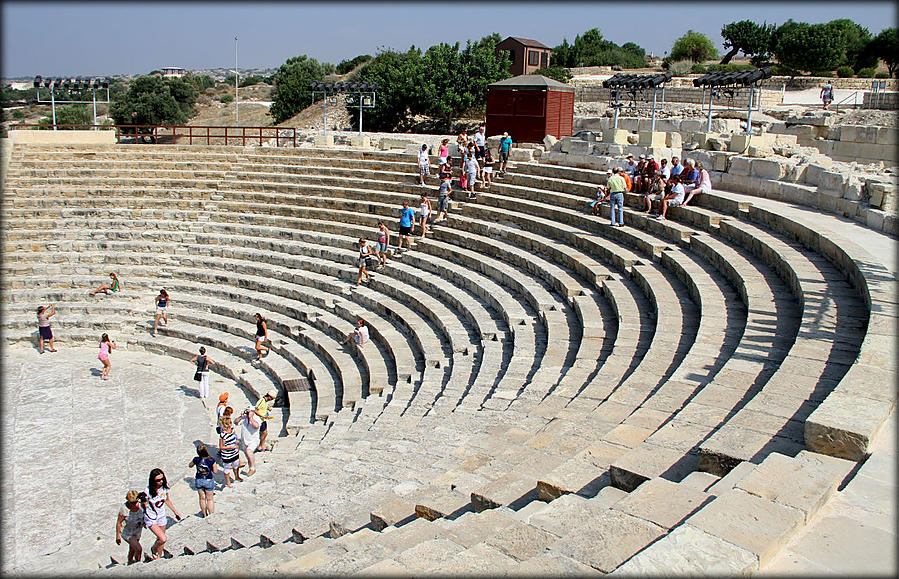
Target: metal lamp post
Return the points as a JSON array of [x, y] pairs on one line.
[[236, 84]]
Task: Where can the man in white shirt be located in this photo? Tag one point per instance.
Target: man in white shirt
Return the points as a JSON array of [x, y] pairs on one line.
[[480, 140]]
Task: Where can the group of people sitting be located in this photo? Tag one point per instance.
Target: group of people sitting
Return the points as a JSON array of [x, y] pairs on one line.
[[670, 185]]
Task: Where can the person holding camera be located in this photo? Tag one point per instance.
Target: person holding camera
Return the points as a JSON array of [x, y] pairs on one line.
[[106, 346], [129, 524], [249, 437]]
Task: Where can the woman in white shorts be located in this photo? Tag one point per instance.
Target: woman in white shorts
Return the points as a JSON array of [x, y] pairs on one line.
[[154, 500], [129, 524], [162, 302], [424, 214]]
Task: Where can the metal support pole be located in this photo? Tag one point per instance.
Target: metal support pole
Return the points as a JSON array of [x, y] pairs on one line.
[[749, 111], [617, 102], [708, 126], [236, 83], [53, 105], [94, 93], [360, 113], [652, 125], [325, 115]]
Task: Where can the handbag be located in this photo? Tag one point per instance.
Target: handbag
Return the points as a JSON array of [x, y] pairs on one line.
[[198, 376]]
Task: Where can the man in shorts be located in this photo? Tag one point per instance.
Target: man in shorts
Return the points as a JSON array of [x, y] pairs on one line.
[[407, 225], [504, 147], [264, 413], [443, 196]]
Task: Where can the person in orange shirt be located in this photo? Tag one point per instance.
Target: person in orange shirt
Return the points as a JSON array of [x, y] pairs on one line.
[[627, 180]]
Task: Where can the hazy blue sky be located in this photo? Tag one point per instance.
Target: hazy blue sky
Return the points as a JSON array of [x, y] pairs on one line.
[[94, 38]]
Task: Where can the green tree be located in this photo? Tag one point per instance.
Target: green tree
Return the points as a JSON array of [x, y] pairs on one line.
[[453, 81], [559, 73], [200, 81], [808, 47], [152, 100], [753, 40], [588, 47], [693, 46], [856, 40], [563, 55], [292, 93], [885, 46], [397, 75], [345, 66], [70, 115], [251, 80]]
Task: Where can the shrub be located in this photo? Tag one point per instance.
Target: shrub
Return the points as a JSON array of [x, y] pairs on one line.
[[845, 72], [698, 69], [226, 98], [680, 67], [18, 114], [881, 75], [866, 72]]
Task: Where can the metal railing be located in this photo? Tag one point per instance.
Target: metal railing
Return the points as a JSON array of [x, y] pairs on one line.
[[186, 134], [853, 96]]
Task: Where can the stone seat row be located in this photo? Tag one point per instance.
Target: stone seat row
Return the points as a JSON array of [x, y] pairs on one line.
[[830, 431]]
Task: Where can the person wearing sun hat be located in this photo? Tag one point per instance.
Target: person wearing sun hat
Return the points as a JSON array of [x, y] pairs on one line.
[[223, 403], [262, 410]]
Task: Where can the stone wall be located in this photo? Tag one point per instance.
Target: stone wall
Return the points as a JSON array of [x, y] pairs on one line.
[[63, 137], [767, 165], [883, 100]]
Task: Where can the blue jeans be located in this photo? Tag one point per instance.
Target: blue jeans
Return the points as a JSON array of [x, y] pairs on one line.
[[616, 200]]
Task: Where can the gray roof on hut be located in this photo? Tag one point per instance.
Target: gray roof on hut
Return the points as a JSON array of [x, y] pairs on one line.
[[529, 42], [530, 81]]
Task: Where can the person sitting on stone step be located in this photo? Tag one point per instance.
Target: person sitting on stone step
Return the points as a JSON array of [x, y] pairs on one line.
[[704, 185], [108, 289]]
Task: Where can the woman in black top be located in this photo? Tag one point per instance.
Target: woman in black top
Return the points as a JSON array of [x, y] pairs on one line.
[[203, 362], [261, 336]]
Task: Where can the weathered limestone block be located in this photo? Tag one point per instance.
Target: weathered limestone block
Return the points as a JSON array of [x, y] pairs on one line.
[[393, 143], [811, 118], [608, 540], [804, 133], [887, 136], [617, 136], [739, 143], [688, 126], [503, 491], [716, 144], [360, 141], [854, 189], [806, 482], [521, 541], [833, 181], [522, 155], [815, 172], [324, 140], [701, 139], [740, 166], [391, 514], [760, 152], [674, 140], [632, 139], [687, 551], [578, 146], [757, 525], [845, 424], [767, 168], [784, 140], [549, 142], [662, 502], [576, 476], [651, 139]]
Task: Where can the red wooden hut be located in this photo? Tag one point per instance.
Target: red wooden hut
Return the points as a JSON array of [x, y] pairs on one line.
[[530, 107]]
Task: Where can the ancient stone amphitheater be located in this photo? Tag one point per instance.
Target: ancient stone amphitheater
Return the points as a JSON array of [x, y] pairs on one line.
[[543, 394]]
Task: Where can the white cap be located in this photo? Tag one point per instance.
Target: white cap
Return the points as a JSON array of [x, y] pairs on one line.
[[642, 156]]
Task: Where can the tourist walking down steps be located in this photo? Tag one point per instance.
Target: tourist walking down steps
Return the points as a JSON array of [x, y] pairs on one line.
[[202, 374], [154, 500]]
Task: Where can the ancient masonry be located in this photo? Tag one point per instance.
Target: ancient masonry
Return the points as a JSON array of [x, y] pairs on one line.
[[542, 393]]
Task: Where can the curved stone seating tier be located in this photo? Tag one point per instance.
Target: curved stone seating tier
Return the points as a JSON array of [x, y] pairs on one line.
[[600, 369]]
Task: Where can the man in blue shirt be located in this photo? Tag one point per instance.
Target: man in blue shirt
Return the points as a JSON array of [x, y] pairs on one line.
[[676, 167], [690, 174], [407, 225], [504, 147]]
